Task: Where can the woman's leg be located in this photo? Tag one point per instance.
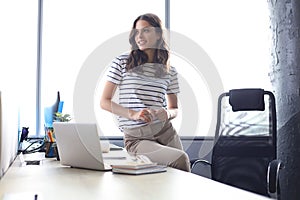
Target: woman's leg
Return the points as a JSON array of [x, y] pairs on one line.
[[163, 155], [160, 142], [169, 137]]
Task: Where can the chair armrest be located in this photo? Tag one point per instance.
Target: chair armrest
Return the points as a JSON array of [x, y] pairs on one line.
[[273, 178], [200, 161], [201, 167]]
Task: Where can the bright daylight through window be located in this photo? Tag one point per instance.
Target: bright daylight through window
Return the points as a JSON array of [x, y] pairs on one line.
[[235, 39]]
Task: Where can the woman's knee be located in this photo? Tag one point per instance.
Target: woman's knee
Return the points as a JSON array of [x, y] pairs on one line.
[[183, 162]]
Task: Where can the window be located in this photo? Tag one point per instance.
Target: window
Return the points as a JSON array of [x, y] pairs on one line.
[[235, 39], [72, 30], [18, 39]]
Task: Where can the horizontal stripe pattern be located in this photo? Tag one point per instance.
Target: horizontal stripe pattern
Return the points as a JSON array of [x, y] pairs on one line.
[[142, 87]]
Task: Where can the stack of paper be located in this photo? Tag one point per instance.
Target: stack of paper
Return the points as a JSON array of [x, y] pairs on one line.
[[138, 168]]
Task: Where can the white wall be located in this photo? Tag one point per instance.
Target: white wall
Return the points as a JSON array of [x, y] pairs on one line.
[[18, 24], [9, 129]]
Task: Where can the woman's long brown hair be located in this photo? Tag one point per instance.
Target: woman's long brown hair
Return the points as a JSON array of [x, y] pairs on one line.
[[138, 57]]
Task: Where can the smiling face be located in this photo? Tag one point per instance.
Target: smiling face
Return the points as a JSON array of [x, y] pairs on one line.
[[146, 36], [147, 42]]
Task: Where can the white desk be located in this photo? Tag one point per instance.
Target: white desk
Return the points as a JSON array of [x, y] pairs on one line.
[[53, 181]]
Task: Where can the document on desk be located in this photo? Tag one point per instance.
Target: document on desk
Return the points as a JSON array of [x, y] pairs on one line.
[[137, 170], [138, 165], [113, 147]]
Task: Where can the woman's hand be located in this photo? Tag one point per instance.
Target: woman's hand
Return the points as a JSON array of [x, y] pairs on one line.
[[148, 115], [143, 115], [161, 114]]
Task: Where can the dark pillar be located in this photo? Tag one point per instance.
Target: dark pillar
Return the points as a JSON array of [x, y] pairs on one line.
[[285, 77]]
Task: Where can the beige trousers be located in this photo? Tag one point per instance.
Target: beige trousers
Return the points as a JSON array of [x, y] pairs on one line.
[[159, 142]]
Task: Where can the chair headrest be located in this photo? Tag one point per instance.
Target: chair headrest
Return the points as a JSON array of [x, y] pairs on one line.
[[247, 99]]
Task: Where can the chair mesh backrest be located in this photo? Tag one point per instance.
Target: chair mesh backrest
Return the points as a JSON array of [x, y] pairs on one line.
[[244, 142], [245, 122]]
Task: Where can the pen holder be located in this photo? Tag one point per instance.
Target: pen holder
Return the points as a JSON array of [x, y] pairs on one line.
[[51, 150], [50, 144]]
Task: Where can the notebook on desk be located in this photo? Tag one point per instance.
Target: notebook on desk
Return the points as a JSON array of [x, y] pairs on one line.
[[79, 146]]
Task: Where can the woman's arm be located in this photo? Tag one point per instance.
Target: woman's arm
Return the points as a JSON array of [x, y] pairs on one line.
[[107, 104], [170, 112], [172, 106]]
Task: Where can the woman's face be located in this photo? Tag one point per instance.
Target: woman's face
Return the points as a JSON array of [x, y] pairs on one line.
[[145, 36]]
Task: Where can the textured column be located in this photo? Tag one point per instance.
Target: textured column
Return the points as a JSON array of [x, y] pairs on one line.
[[285, 76]]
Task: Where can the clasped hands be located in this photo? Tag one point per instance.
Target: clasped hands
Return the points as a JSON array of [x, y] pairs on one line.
[[148, 115]]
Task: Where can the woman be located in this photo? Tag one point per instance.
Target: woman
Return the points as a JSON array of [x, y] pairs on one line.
[[148, 89]]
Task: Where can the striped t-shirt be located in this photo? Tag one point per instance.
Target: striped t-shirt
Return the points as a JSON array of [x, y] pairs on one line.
[[143, 86]]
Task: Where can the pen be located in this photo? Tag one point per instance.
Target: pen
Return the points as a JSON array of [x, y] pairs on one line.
[[35, 197], [50, 136]]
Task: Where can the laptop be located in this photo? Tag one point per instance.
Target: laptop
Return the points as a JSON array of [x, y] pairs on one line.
[[79, 145]]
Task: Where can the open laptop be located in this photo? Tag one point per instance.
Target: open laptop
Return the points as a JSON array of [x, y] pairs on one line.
[[79, 145]]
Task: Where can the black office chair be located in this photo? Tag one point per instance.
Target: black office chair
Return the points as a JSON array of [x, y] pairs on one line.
[[244, 152]]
